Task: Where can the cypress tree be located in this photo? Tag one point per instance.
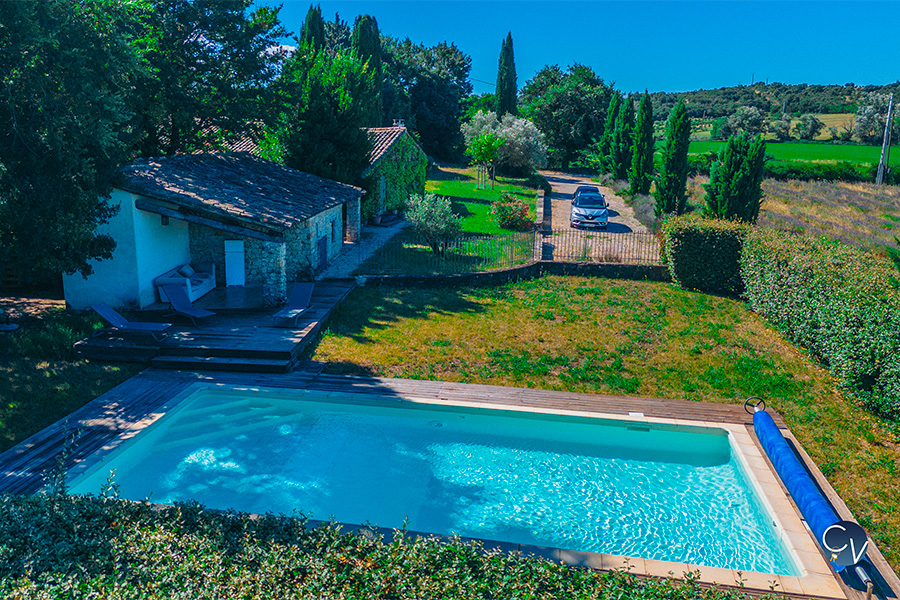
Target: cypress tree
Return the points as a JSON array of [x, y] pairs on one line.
[[671, 182], [365, 44], [313, 32], [642, 154], [609, 132], [623, 140], [506, 80], [735, 180]]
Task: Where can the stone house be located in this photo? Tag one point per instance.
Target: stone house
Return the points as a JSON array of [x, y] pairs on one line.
[[396, 170], [280, 224]]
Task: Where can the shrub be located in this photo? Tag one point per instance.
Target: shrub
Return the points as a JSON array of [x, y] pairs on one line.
[[806, 171], [840, 302], [86, 547], [538, 181], [432, 218], [511, 212], [734, 190], [704, 254]]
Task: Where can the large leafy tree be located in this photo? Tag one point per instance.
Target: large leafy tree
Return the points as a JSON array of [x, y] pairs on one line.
[[323, 106], [568, 107], [68, 68], [212, 62], [734, 190], [671, 183], [312, 33], [425, 86], [506, 80], [641, 174]]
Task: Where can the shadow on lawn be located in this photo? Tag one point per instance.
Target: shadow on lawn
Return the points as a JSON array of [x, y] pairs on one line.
[[384, 307]]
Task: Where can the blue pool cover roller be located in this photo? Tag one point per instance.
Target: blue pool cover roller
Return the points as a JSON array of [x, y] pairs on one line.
[[813, 506]]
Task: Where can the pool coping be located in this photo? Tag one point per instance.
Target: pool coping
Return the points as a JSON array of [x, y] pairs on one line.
[[162, 390]]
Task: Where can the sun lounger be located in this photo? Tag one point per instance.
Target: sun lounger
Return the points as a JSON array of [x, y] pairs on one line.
[[297, 304], [120, 323], [180, 303]]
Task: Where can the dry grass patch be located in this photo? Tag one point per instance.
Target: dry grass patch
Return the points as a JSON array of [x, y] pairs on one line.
[[860, 214], [624, 337]]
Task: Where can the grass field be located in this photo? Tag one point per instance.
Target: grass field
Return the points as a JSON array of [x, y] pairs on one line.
[[624, 337], [822, 153], [41, 381]]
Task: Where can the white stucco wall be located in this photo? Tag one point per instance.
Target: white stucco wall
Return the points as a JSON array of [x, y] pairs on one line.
[[113, 281], [161, 248], [144, 250]]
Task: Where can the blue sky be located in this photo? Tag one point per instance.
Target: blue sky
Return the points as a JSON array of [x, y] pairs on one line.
[[661, 46]]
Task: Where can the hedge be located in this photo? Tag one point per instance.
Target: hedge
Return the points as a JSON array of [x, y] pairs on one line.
[[841, 303], [704, 254], [57, 546]]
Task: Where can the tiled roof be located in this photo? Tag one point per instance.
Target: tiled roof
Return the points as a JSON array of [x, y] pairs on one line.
[[235, 187], [383, 138]]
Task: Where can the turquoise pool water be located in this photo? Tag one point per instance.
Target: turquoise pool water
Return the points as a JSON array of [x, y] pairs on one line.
[[655, 492]]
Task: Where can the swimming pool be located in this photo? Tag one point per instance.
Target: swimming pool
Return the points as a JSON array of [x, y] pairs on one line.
[[656, 491]]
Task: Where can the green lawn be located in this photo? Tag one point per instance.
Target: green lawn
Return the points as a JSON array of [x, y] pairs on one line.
[[41, 381], [465, 188], [476, 215], [788, 151], [624, 337], [473, 204]]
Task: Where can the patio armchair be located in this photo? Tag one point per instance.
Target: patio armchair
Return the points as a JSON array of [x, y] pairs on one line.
[[119, 323], [182, 305], [297, 305]]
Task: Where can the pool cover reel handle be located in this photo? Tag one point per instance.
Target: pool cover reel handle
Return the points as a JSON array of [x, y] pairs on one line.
[[813, 506], [749, 403]]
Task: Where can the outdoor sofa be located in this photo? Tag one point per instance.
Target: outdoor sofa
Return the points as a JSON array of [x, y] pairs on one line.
[[196, 280]]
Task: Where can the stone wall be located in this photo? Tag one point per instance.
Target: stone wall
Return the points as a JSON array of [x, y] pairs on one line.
[[302, 257], [264, 262]]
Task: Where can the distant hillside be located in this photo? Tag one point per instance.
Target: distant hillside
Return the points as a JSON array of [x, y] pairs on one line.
[[796, 99]]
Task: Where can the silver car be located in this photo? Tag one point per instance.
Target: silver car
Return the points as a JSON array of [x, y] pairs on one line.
[[589, 211]]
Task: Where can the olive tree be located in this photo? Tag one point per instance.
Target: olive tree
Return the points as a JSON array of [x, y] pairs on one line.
[[524, 147], [432, 218]]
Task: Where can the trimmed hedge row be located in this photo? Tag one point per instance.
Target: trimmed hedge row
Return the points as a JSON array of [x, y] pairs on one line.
[[704, 254], [56, 546], [799, 170], [841, 303]]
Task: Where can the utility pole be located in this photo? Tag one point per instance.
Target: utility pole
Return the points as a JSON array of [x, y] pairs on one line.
[[885, 145]]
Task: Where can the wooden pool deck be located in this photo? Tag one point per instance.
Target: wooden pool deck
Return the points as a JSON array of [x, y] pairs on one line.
[[237, 339], [132, 406]]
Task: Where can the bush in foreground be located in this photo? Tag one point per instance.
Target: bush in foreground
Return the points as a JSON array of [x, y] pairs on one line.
[[841, 303], [704, 254], [59, 546]]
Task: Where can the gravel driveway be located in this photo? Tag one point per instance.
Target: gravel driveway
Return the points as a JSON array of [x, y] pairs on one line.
[[621, 217]]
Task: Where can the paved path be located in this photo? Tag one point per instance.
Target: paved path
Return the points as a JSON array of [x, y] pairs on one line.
[[621, 216], [373, 238]]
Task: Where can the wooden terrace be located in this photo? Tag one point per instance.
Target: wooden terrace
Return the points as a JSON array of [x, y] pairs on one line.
[[240, 338]]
